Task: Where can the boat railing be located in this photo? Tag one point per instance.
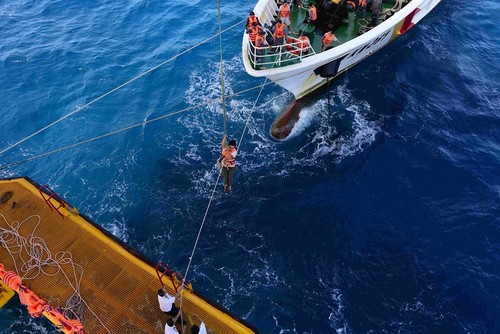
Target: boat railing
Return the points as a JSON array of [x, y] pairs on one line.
[[268, 13], [279, 55]]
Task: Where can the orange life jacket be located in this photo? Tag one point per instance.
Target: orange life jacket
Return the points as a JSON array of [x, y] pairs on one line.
[[251, 19], [352, 3], [260, 41], [304, 43], [229, 155], [279, 31], [362, 3], [252, 33], [284, 10], [312, 13], [328, 39]]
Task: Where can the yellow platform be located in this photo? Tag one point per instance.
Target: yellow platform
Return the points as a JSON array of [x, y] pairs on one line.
[[118, 287], [5, 294]]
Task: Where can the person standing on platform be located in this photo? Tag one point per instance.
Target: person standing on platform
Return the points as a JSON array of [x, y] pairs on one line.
[[251, 19], [362, 7], [202, 329], [253, 32], [304, 45], [170, 327], [327, 40], [313, 15], [284, 14], [260, 45], [166, 303], [280, 33], [376, 9]]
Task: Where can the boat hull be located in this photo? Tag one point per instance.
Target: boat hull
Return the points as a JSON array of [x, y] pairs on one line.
[[313, 72]]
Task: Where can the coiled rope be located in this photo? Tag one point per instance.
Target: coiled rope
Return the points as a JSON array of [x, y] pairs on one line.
[[36, 259]]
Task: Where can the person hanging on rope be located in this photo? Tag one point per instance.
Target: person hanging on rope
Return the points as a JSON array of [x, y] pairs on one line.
[[228, 162]]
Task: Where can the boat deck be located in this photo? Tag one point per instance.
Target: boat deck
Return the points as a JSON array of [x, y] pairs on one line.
[[350, 28], [118, 287]]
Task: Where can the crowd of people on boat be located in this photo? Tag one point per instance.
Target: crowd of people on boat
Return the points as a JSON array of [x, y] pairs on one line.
[[166, 303], [280, 37]]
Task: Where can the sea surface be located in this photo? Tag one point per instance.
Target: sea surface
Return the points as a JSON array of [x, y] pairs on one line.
[[380, 214]]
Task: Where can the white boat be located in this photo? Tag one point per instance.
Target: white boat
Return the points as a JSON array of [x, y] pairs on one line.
[[360, 37]]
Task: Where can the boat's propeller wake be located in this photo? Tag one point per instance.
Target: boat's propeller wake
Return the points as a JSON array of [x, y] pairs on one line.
[[341, 130]]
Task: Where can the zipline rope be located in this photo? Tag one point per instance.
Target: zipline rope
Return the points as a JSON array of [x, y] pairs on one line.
[[223, 88], [124, 129], [215, 187], [117, 88]]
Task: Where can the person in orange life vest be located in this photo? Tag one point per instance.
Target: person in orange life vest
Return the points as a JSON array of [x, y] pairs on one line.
[[313, 14], [251, 19], [253, 31], [279, 32], [228, 162], [304, 44], [362, 7], [284, 13], [327, 40], [260, 43]]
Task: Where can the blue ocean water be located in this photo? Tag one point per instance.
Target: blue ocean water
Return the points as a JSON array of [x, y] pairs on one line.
[[379, 215]]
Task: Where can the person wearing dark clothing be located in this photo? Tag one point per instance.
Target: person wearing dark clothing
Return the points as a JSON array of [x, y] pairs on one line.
[[376, 9], [261, 44]]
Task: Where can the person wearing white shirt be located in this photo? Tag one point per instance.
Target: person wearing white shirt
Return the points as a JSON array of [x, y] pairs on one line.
[[170, 327], [202, 329], [166, 303]]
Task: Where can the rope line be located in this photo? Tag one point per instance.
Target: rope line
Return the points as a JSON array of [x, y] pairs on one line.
[[219, 173], [214, 189], [251, 111], [117, 88], [223, 88], [124, 129]]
